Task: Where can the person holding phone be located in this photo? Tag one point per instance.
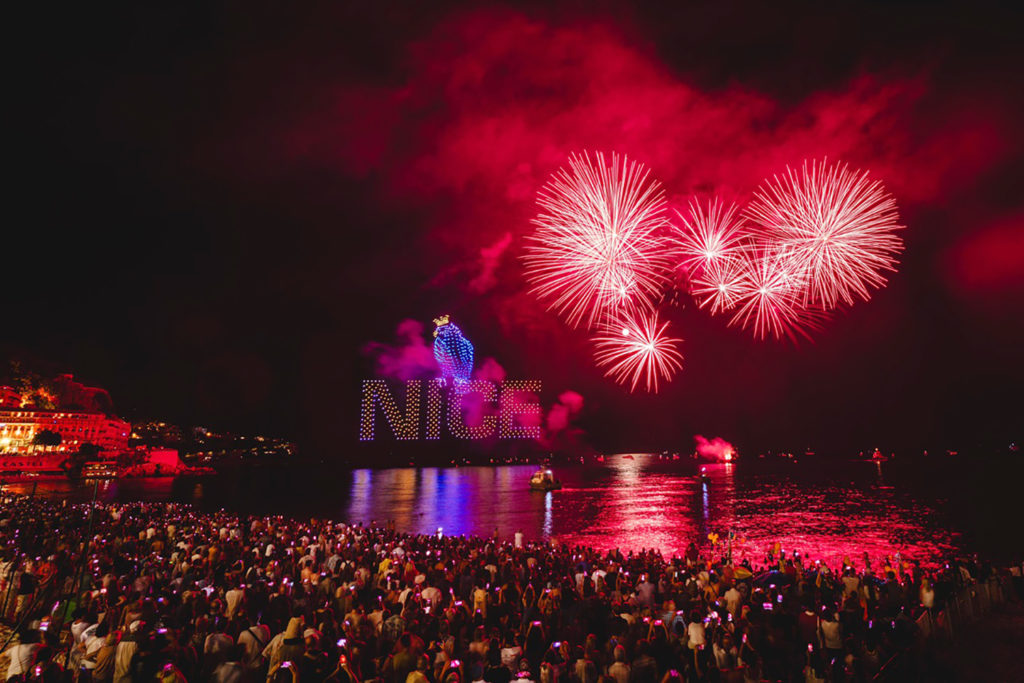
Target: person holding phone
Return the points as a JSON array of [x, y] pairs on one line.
[[343, 672], [287, 672], [451, 673]]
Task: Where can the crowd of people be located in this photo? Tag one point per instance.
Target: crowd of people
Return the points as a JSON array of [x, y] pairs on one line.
[[157, 591]]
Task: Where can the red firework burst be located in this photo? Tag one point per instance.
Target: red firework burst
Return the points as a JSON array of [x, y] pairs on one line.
[[636, 348], [838, 225], [707, 238], [720, 283], [769, 296], [599, 238]]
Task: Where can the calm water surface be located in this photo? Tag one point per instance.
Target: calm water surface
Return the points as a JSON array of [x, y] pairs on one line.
[[823, 509]]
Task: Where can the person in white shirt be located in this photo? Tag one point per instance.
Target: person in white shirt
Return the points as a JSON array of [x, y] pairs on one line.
[[927, 594], [619, 670], [217, 644], [79, 626], [376, 618], [253, 639], [510, 656], [733, 599], [695, 632], [851, 582], [23, 654], [831, 633], [233, 598], [229, 672], [598, 578], [431, 595], [92, 640], [725, 652], [126, 649], [645, 592]]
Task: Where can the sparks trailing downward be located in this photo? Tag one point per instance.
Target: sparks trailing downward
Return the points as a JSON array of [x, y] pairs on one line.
[[636, 348], [835, 225], [598, 246]]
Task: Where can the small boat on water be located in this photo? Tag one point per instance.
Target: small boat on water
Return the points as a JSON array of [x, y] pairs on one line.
[[877, 456], [544, 480]]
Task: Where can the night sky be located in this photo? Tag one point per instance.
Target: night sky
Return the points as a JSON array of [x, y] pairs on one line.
[[216, 208]]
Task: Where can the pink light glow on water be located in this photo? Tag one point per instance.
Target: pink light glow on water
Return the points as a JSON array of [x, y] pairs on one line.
[[827, 510], [636, 501]]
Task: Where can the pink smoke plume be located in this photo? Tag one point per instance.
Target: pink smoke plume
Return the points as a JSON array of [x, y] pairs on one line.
[[490, 370], [560, 433], [408, 358], [474, 408], [717, 448], [561, 413], [490, 259]]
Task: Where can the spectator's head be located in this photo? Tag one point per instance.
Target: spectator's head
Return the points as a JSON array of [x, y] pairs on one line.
[[494, 653]]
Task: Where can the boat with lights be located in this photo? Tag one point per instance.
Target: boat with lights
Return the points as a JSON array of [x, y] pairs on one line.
[[544, 480]]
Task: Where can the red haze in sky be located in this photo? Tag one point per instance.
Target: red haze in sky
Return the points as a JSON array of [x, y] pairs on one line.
[[494, 101], [990, 260]]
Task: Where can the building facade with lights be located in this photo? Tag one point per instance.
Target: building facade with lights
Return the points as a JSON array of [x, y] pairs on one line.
[[10, 397], [19, 426]]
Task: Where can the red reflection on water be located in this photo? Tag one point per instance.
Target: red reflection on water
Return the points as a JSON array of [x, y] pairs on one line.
[[667, 511], [632, 510], [627, 503]]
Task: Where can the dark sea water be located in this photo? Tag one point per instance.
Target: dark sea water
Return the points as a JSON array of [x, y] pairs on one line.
[[923, 509]]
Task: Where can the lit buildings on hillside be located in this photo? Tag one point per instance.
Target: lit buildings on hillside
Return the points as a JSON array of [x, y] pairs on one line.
[[10, 397], [156, 433], [32, 416], [19, 427], [199, 444]]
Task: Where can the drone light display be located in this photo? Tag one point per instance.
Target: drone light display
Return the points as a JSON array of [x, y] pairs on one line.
[[603, 252], [515, 412], [452, 351]]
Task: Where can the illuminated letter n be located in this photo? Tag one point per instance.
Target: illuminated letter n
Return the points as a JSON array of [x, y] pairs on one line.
[[404, 426]]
